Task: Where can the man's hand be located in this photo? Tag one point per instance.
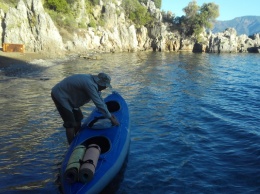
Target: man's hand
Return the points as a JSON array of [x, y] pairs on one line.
[[114, 120]]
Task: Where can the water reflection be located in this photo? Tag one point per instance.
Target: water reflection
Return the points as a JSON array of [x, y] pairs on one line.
[[178, 103]]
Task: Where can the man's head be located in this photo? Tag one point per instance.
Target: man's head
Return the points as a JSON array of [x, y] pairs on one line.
[[103, 80]]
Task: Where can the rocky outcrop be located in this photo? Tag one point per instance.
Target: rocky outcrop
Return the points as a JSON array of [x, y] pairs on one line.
[[223, 42], [116, 35], [229, 42], [2, 15], [29, 24], [156, 13], [81, 15]]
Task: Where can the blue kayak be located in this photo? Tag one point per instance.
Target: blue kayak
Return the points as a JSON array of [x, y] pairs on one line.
[[113, 143]]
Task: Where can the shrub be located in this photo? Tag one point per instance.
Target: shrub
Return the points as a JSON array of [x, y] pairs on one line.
[[94, 2], [57, 5], [92, 23], [197, 18], [136, 12]]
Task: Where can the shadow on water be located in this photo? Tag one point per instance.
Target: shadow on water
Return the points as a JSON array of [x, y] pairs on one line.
[[114, 185], [11, 67]]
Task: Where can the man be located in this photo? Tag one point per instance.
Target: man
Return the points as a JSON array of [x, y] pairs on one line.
[[75, 91]]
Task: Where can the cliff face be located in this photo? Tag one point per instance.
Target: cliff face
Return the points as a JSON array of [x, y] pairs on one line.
[[29, 24]]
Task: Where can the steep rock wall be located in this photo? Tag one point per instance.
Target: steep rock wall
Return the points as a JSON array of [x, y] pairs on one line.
[[29, 24]]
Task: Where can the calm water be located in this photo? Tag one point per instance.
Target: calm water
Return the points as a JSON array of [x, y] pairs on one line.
[[194, 123]]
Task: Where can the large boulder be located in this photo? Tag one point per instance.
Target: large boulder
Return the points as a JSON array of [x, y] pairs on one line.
[[29, 24], [248, 44], [110, 15], [155, 12], [225, 42], [187, 44], [81, 17], [157, 33], [142, 38]]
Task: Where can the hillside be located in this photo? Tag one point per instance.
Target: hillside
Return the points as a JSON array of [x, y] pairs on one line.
[[248, 25]]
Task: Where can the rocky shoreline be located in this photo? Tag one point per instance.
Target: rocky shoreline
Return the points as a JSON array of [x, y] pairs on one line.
[[8, 59], [30, 25]]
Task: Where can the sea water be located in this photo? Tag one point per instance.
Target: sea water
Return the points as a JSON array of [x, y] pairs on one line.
[[194, 122]]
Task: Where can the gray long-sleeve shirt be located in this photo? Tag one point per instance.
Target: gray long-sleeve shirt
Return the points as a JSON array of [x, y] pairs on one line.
[[77, 90]]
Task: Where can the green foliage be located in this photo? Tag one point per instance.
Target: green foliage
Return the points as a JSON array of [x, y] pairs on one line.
[[136, 12], [209, 12], [102, 22], [129, 6], [140, 16], [92, 23], [5, 4], [191, 10], [12, 2], [157, 3], [94, 2], [168, 17], [57, 5], [67, 22], [197, 18], [143, 1]]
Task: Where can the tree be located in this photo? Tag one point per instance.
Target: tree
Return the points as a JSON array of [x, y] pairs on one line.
[[197, 18], [209, 12], [168, 17], [191, 10], [191, 15], [158, 3]]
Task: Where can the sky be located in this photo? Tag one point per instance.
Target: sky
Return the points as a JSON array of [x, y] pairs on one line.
[[228, 9]]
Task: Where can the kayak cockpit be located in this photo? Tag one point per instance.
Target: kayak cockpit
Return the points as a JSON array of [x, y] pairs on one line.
[[101, 122], [113, 106], [101, 141]]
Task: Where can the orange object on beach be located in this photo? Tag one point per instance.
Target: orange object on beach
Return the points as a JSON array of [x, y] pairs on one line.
[[13, 47]]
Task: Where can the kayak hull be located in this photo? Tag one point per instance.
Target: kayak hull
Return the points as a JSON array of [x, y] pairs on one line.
[[114, 143]]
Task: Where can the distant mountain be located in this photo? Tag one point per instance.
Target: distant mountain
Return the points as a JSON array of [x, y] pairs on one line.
[[248, 25]]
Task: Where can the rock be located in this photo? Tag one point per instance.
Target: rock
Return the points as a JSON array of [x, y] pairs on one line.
[[82, 17], [199, 48], [133, 43], [91, 57], [229, 42], [110, 16], [172, 42], [225, 42], [16, 27], [28, 24], [142, 36], [187, 45], [154, 11], [2, 15], [157, 35]]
